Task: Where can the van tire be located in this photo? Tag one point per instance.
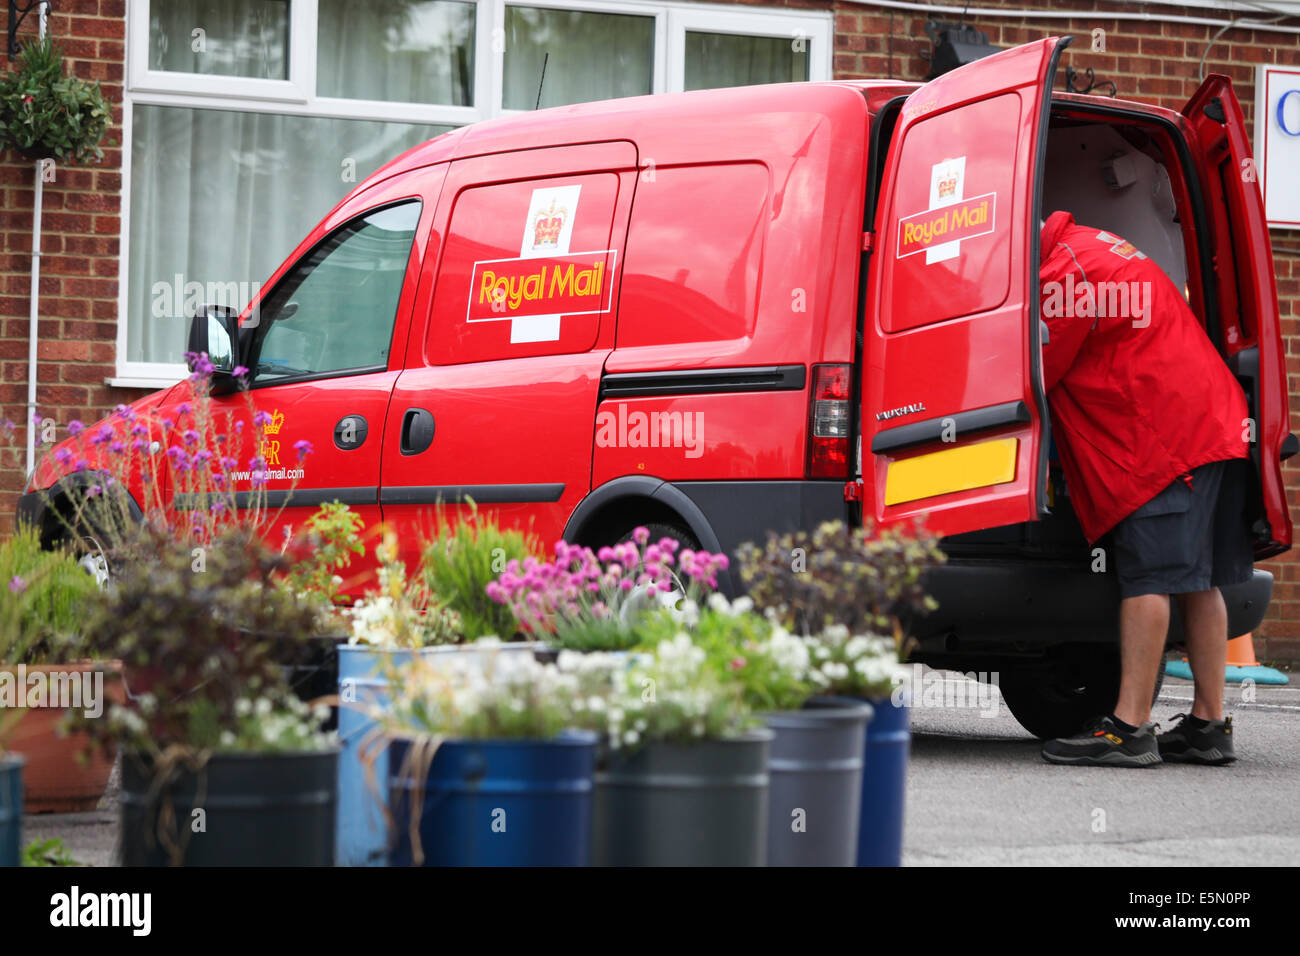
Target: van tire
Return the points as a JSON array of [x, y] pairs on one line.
[[659, 530], [1057, 701]]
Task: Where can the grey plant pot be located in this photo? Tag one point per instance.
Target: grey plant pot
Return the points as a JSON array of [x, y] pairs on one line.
[[11, 809], [697, 804], [815, 797]]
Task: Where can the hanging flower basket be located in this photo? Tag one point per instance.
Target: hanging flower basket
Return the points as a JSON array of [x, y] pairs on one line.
[[46, 114]]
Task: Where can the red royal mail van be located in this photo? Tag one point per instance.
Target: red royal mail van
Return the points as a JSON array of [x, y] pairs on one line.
[[723, 312]]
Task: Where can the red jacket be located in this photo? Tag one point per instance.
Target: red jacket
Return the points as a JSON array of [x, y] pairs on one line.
[[1137, 391]]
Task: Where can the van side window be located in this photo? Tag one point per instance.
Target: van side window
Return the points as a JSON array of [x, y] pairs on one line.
[[696, 283], [334, 310]]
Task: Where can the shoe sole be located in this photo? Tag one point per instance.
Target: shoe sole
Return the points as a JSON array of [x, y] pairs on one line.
[[1111, 759], [1214, 757]]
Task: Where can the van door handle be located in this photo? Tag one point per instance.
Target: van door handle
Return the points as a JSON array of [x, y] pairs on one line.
[[417, 431]]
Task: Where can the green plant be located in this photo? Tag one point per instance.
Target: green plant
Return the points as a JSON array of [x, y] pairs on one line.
[[46, 113], [585, 600], [504, 696], [463, 560], [42, 602], [839, 575], [201, 633], [399, 613], [50, 852], [769, 664], [854, 665], [321, 550], [671, 695]]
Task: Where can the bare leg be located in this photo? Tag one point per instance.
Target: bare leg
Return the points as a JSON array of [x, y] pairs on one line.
[[1206, 623], [1143, 627]]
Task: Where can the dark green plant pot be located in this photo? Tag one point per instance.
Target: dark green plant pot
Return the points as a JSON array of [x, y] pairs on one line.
[[697, 804], [258, 810], [816, 783], [11, 809]]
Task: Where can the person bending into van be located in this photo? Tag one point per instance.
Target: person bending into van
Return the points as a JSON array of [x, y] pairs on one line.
[[1149, 425]]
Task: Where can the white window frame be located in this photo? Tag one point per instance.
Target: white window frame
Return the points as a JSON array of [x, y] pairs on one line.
[[296, 95]]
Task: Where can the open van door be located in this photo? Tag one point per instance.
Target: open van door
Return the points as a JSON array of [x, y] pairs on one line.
[[954, 418], [1249, 330]]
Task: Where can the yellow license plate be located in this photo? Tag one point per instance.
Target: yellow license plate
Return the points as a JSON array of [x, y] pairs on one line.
[[952, 469]]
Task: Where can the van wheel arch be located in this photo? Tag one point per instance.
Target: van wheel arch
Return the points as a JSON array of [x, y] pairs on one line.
[[617, 506]]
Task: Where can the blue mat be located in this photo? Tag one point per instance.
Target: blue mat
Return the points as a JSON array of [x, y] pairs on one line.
[[1235, 675]]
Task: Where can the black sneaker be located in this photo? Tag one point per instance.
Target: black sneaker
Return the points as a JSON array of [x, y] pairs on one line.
[[1104, 744], [1210, 744]]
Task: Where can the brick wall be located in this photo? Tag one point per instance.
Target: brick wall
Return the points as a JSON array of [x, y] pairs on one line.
[[1153, 61], [80, 227]]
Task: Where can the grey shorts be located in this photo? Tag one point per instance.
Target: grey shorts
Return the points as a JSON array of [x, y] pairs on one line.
[[1190, 537]]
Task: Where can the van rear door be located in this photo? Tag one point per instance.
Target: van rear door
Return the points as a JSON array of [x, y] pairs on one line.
[[1247, 293], [953, 410]]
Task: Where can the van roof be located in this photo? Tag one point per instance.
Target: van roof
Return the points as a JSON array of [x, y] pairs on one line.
[[643, 117]]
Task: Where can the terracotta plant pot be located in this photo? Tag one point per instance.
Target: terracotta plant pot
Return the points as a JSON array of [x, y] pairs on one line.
[[56, 778]]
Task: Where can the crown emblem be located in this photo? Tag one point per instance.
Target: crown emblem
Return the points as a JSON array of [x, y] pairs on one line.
[[548, 225], [273, 426], [947, 185]]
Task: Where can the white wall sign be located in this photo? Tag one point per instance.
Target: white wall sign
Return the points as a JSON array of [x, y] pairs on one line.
[[1277, 143]]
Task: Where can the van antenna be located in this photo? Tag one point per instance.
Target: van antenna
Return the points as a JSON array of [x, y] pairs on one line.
[[542, 80]]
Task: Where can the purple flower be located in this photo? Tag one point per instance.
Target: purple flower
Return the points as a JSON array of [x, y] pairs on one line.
[[239, 428], [63, 456], [17, 585], [75, 428], [191, 436], [139, 428], [261, 419], [166, 423], [117, 448], [9, 426], [239, 371], [218, 507], [257, 463], [184, 408], [303, 447], [140, 445], [102, 436], [81, 465], [36, 419], [202, 455]]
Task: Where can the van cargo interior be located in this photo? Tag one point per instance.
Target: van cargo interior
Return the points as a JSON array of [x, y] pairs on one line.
[[1114, 174]]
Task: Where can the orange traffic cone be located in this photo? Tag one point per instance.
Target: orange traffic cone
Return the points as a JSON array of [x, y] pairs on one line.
[[1242, 665]]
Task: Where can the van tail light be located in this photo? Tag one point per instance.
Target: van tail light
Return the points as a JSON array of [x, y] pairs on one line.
[[829, 420]]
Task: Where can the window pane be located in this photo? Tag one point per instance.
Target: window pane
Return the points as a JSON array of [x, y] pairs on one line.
[[226, 37], [334, 310], [715, 60], [407, 51], [220, 198], [593, 56]]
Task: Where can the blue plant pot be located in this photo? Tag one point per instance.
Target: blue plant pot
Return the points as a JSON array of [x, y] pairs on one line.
[[361, 832], [495, 802], [11, 809], [884, 785]]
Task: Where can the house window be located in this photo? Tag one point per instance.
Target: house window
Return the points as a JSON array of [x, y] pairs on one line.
[[247, 120]]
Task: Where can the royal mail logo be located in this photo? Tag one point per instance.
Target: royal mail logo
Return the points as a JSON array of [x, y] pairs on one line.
[[276, 422], [548, 226], [576, 284], [948, 186], [947, 224]]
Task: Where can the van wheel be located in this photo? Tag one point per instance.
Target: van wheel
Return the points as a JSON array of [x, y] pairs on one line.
[[1058, 701], [92, 556], [673, 598]]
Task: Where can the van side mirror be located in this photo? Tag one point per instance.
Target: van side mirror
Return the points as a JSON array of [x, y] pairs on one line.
[[215, 330]]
